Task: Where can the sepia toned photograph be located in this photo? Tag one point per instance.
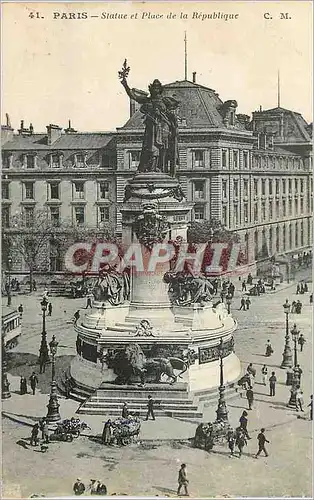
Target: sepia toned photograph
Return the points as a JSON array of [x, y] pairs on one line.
[[156, 250]]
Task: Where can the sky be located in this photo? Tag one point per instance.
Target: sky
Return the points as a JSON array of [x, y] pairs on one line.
[[56, 69]]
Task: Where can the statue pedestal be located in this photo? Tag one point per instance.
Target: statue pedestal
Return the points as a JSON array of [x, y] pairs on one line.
[[198, 316], [104, 315]]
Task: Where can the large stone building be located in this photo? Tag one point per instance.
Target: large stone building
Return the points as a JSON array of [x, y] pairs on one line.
[[254, 175]]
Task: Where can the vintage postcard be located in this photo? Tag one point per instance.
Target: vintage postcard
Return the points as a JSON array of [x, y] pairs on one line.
[[157, 201]]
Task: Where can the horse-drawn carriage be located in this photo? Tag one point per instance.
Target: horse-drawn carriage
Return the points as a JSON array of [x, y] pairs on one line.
[[207, 435], [69, 429], [125, 431]]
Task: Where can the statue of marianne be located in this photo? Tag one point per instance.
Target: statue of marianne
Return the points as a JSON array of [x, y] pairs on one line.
[[160, 143]]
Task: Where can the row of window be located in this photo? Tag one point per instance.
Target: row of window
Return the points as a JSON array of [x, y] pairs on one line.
[[266, 211], [277, 162], [78, 190], [53, 160], [78, 215], [265, 187], [292, 237]]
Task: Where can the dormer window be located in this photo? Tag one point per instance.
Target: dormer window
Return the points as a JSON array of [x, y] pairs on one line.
[[55, 160], [232, 117], [80, 160], [7, 159]]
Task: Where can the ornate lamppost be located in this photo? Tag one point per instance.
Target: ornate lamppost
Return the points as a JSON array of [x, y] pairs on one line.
[[229, 302], [5, 384], [295, 380], [43, 350], [287, 354], [222, 412], [9, 281], [53, 406]]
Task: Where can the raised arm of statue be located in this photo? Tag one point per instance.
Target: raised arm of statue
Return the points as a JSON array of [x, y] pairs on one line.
[[133, 94]]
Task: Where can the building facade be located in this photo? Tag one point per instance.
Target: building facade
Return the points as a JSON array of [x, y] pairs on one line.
[[253, 175]]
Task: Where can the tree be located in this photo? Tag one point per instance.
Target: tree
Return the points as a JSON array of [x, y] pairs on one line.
[[213, 231], [33, 237]]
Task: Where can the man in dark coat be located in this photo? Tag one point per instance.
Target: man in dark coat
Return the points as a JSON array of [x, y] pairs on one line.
[[182, 480], [242, 306], [34, 381], [261, 443], [107, 432], [49, 309], [34, 435], [78, 487], [243, 424], [150, 408], [250, 397], [125, 411], [272, 384], [23, 386]]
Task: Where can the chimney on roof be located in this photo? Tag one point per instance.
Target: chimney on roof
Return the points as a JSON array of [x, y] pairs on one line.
[[6, 130], [25, 131], [260, 108], [194, 76], [53, 133], [70, 129]]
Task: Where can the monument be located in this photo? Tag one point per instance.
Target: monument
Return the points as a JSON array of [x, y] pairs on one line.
[[153, 329]]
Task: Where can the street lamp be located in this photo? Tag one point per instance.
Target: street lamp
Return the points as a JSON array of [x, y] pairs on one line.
[[229, 302], [9, 283], [295, 380], [287, 354], [222, 412], [43, 350], [5, 384], [53, 406]]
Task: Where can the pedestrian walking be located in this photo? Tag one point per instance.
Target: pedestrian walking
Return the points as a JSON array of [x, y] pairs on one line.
[[243, 286], [150, 408], [261, 443], [300, 400], [298, 289], [78, 487], [298, 307], [107, 432], [89, 301], [311, 298], [76, 317], [34, 286], [125, 411], [183, 480], [247, 303], [293, 307], [34, 435], [93, 487], [264, 374], [250, 397], [20, 310], [45, 294], [241, 440], [231, 437], [49, 309], [272, 384], [269, 349], [311, 407], [242, 304], [251, 370], [23, 386], [243, 423], [33, 382], [301, 342], [45, 431], [250, 279]]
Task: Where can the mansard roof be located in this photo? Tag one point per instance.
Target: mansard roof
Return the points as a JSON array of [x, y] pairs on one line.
[[200, 107], [77, 141], [295, 128]]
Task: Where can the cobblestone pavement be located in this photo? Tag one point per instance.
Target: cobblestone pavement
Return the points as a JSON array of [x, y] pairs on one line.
[[150, 467]]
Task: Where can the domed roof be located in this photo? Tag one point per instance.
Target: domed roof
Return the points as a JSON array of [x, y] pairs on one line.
[[200, 107]]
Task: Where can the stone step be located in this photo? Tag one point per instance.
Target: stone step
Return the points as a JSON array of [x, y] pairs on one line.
[[138, 406], [133, 400], [158, 413]]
